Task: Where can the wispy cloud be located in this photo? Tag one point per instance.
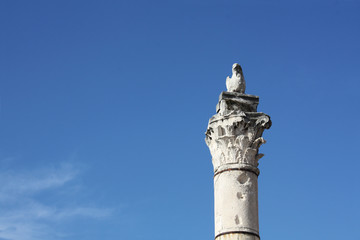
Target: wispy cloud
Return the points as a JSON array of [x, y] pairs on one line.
[[25, 216], [15, 183]]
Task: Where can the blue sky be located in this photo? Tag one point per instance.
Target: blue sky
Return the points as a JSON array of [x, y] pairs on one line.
[[104, 105]]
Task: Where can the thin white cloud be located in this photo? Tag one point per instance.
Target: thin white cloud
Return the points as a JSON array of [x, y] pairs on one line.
[[15, 184], [24, 217]]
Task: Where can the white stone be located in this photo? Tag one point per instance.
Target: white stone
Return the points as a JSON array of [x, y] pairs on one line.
[[237, 81], [236, 202], [234, 136]]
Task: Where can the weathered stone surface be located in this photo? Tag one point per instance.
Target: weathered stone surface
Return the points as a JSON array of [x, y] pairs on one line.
[[235, 139], [234, 136], [236, 202], [237, 81], [233, 103]]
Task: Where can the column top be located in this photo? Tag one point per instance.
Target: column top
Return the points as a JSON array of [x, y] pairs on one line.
[[234, 132]]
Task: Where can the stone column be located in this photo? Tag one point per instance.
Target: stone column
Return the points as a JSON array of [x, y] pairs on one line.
[[234, 136]]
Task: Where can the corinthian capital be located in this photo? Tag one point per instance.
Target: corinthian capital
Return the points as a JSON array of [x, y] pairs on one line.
[[234, 134]]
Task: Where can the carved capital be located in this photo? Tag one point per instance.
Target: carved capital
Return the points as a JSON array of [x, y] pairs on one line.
[[236, 139]]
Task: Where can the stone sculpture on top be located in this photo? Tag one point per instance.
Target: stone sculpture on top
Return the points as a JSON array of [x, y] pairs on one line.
[[237, 82]]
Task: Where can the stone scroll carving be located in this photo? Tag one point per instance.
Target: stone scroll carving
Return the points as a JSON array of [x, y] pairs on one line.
[[236, 139]]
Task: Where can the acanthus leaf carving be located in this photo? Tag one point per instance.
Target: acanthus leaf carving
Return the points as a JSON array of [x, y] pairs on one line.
[[236, 139]]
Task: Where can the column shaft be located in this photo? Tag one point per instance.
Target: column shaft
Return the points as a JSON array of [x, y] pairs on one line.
[[236, 202]]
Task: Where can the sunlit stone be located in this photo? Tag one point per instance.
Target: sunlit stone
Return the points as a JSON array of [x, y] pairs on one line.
[[234, 136]]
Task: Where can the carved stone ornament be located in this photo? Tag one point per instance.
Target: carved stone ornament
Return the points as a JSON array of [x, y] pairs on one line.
[[235, 139], [236, 83]]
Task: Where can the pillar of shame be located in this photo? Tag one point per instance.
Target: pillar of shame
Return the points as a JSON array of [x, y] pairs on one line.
[[234, 135]]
